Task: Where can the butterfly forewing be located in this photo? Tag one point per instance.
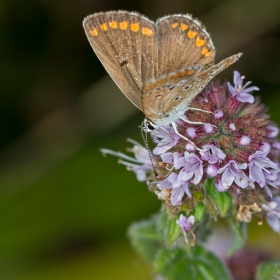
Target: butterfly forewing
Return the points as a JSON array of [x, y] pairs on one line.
[[183, 42], [126, 45], [179, 100]]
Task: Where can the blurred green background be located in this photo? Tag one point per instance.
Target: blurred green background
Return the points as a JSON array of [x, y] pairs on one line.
[[65, 209]]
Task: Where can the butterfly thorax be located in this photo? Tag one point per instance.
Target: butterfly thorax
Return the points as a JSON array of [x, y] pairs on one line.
[[163, 121]]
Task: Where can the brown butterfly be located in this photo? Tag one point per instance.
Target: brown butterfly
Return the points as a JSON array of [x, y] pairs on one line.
[[159, 66]]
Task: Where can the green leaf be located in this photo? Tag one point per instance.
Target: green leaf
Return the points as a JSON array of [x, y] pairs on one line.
[[167, 228], [269, 270], [239, 235], [222, 200], [144, 238], [195, 263], [199, 211]]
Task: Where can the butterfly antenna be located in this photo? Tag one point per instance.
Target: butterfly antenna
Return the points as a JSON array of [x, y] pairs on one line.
[[145, 139]]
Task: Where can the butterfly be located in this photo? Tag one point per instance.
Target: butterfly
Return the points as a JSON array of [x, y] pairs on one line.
[[159, 66]]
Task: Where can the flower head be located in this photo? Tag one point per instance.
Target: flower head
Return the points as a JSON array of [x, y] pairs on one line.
[[225, 138]]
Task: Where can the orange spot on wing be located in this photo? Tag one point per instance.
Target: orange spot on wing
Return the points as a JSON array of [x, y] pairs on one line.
[[199, 42], [184, 26], [174, 25], [147, 31], [205, 52], [94, 32], [192, 34], [113, 24], [123, 25], [134, 26], [180, 74], [103, 26], [189, 72], [184, 73], [208, 54]]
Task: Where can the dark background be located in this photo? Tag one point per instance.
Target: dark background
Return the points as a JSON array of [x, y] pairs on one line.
[[64, 209]]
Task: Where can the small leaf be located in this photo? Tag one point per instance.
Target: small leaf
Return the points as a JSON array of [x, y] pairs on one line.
[[198, 211], [239, 235], [144, 238], [167, 228], [222, 200], [269, 270], [193, 263]]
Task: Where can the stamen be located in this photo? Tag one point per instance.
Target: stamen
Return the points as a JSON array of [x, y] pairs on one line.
[[261, 166], [129, 164], [118, 154], [248, 83], [199, 110], [170, 170], [191, 122], [156, 182], [133, 142]]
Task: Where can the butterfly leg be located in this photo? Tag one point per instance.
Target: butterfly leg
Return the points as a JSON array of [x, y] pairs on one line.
[[174, 125], [200, 110], [191, 122]]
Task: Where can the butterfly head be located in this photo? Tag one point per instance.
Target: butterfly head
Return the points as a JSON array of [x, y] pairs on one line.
[[148, 126]]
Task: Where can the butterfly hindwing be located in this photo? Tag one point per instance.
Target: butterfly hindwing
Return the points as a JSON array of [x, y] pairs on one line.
[[179, 100], [157, 92], [126, 45]]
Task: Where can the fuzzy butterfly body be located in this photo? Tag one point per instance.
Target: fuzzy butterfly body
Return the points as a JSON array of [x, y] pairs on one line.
[[159, 66]]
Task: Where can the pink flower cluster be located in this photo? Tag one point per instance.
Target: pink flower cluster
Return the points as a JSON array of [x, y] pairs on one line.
[[236, 147]]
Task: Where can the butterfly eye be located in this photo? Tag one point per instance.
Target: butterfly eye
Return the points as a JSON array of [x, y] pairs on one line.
[[150, 126]]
